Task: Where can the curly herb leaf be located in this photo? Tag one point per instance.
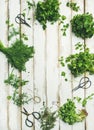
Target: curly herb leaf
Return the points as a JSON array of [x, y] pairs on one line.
[[47, 11], [83, 25]]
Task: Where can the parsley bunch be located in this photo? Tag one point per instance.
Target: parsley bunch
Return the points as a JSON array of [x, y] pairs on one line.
[[47, 11], [83, 25], [79, 63]]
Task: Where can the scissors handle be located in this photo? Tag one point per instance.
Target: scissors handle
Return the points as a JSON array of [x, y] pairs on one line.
[[84, 81], [19, 19], [28, 122], [36, 115], [89, 84]]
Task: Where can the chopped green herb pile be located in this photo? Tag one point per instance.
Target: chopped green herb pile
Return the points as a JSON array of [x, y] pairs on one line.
[[47, 11], [73, 6], [68, 113], [79, 63], [18, 54], [19, 99], [83, 25], [48, 119]]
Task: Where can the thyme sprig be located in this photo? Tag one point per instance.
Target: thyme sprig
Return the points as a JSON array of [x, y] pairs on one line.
[[16, 82]]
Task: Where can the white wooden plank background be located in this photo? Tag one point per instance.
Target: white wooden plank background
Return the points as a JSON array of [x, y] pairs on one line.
[[44, 70]]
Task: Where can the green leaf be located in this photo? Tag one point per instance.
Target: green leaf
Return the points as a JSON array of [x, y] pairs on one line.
[[9, 97]]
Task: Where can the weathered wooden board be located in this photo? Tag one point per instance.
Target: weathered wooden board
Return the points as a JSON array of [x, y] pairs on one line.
[[44, 70]]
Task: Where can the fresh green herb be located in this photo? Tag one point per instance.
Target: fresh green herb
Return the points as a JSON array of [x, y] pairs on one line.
[[13, 32], [20, 99], [30, 4], [47, 11], [83, 25], [62, 62], [64, 29], [68, 113], [48, 118], [90, 97], [64, 26], [18, 54], [73, 6], [81, 62], [16, 82]]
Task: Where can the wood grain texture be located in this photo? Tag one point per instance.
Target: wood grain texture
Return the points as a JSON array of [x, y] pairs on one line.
[[3, 67], [89, 7], [14, 111], [65, 50], [75, 81], [39, 67], [43, 71]]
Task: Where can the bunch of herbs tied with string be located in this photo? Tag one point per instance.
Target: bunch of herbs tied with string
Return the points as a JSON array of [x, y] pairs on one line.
[[48, 11], [48, 118], [18, 54]]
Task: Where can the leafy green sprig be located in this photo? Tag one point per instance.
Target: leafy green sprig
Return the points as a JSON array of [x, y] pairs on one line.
[[83, 25], [16, 82], [73, 6], [20, 99]]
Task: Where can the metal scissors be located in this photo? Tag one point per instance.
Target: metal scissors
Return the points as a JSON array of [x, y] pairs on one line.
[[84, 83], [20, 19], [28, 122]]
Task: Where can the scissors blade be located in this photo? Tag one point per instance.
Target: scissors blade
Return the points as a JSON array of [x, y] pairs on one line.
[[27, 24], [25, 111], [74, 89]]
